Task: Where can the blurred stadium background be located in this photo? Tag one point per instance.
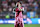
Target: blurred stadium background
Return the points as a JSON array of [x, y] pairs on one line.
[[31, 14]]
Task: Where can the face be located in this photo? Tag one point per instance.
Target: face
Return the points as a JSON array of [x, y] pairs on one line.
[[18, 4]]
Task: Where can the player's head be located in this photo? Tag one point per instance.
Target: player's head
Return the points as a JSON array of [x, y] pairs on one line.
[[18, 4]]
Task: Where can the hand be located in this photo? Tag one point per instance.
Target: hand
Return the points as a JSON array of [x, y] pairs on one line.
[[20, 9]]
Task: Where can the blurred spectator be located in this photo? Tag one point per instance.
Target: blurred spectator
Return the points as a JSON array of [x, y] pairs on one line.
[[4, 4], [7, 16], [4, 9], [10, 9], [36, 16], [30, 7], [0, 10], [13, 5], [35, 5], [38, 3], [39, 15]]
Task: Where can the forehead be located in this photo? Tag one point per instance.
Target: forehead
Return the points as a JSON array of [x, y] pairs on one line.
[[19, 2]]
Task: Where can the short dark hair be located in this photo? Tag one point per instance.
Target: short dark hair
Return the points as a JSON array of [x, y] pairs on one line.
[[19, 1]]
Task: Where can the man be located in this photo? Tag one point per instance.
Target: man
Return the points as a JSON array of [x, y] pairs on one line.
[[18, 15]]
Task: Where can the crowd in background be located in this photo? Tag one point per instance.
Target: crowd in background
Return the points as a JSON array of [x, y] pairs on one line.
[[7, 6]]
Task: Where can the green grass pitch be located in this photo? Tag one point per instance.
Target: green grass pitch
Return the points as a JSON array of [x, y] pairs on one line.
[[25, 25]]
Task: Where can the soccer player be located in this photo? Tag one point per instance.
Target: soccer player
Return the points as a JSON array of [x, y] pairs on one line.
[[18, 15]]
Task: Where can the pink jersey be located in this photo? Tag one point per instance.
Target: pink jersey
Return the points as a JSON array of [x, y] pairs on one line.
[[18, 16]]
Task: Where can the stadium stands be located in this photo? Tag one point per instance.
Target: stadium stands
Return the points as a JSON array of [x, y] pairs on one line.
[[7, 6]]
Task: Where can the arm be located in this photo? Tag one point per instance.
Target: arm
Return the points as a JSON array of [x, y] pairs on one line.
[[21, 9]]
